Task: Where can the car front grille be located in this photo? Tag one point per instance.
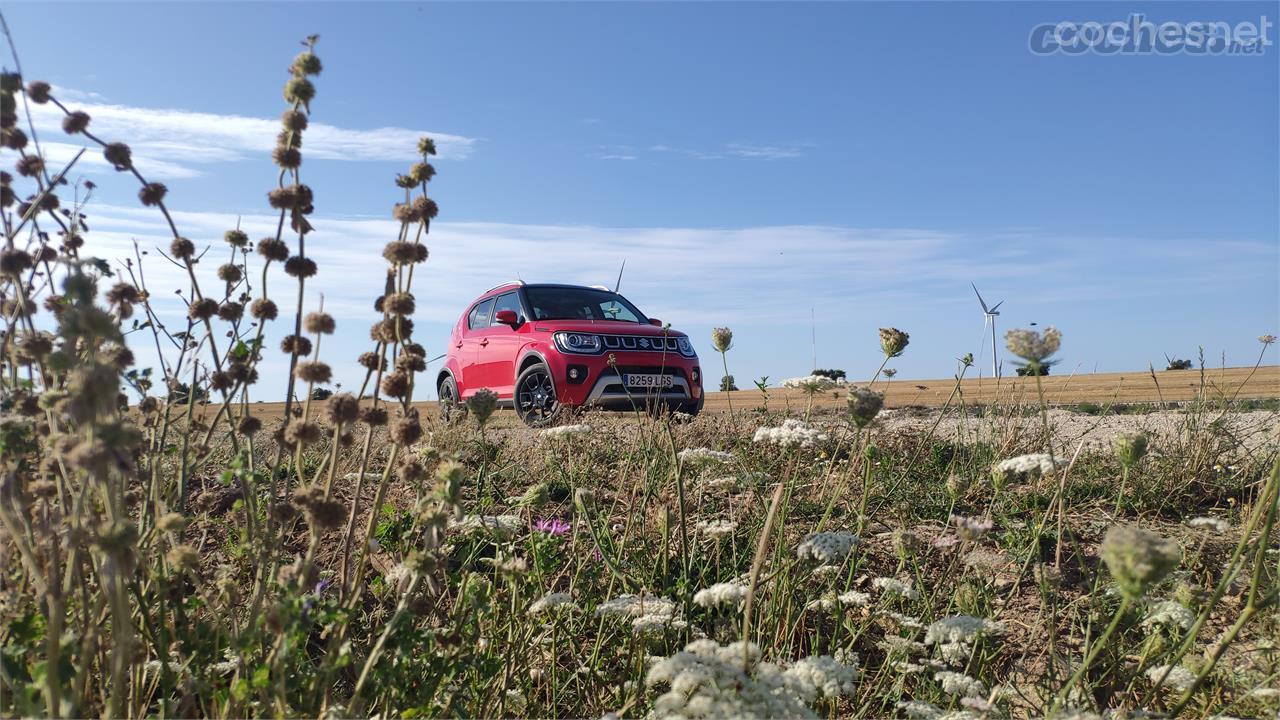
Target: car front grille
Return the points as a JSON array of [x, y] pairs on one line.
[[641, 343]]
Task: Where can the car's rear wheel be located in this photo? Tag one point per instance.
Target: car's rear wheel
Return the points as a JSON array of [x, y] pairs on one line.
[[448, 392], [535, 397]]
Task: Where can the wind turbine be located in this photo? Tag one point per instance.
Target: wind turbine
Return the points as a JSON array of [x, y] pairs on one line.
[[989, 317]]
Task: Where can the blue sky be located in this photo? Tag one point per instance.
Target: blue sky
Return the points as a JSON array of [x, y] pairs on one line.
[[751, 161]]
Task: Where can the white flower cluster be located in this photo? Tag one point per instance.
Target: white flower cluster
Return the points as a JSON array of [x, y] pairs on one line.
[[828, 548], [853, 597], [709, 680], [498, 526], [955, 636], [1217, 525], [647, 613], [954, 683], [1169, 614], [556, 602], [704, 456], [971, 529], [1027, 466], [565, 432], [894, 587], [811, 384], [729, 593], [918, 710], [792, 433], [1180, 678], [716, 529]]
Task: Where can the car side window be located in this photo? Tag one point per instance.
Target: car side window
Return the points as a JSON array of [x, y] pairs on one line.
[[509, 301], [480, 314]]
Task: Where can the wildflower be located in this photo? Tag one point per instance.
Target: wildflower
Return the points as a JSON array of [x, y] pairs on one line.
[[909, 622], [864, 405], [319, 323], [893, 341], [118, 155], [1180, 678], [553, 527], [810, 384], [1169, 614], [1266, 339], [711, 680], [1130, 447], [482, 404], [565, 432], [1032, 346], [961, 629], [1137, 558], [853, 597], [954, 683], [636, 606], [498, 526], [716, 529], [654, 622], [827, 547], [152, 193], [971, 529], [721, 339], [704, 456], [314, 372], [792, 433], [183, 558], [263, 309], [1217, 525], [893, 587], [918, 710], [822, 676], [898, 646], [720, 594], [1024, 467]]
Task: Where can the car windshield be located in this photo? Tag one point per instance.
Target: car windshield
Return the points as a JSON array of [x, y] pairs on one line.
[[567, 303]]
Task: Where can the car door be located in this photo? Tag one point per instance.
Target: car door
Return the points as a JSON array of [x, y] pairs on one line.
[[497, 347], [468, 346]]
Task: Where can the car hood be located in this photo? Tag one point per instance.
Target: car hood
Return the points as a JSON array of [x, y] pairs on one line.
[[604, 327]]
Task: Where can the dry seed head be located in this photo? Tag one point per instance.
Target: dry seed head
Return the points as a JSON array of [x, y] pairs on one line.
[[1130, 447], [406, 213], [75, 122], [399, 304], [392, 331], [314, 372], [425, 208], [300, 267], [183, 558], [373, 361], [396, 384], [1032, 346], [482, 404], [422, 172], [152, 194], [319, 323], [230, 273], [295, 344], [29, 165], [220, 381], [893, 341], [203, 309], [1266, 339], [123, 293], [426, 146], [10, 83], [306, 63], [38, 91], [182, 248], [411, 363], [412, 470], [231, 311], [400, 252], [264, 309], [289, 158], [14, 262], [236, 238], [249, 425], [273, 249], [343, 408], [864, 405], [299, 90], [294, 120], [722, 339], [119, 155], [407, 430], [301, 432], [15, 139], [373, 416]]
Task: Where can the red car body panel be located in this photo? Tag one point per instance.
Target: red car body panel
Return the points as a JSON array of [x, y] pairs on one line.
[[493, 355]]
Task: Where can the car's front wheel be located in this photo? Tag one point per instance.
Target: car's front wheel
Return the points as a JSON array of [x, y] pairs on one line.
[[448, 392], [535, 397]]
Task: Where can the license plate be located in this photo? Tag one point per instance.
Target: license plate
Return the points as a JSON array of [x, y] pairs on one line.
[[648, 381]]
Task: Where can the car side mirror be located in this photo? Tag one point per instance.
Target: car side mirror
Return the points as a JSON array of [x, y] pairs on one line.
[[507, 317], [655, 322]]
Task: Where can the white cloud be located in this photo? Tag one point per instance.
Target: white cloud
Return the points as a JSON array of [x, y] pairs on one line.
[[167, 142]]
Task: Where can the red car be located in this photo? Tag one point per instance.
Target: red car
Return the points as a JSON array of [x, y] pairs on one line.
[[548, 348]]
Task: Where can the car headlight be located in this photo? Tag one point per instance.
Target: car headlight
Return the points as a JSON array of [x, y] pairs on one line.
[[580, 343], [686, 347]]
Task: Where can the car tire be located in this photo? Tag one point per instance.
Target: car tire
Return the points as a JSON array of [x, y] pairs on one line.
[[535, 398], [449, 405], [693, 408]]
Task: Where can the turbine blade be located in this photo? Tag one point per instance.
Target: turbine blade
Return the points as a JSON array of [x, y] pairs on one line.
[[618, 284], [980, 300], [993, 307]]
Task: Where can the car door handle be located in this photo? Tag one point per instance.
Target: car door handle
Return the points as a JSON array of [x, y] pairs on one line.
[[484, 342], [459, 345]]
